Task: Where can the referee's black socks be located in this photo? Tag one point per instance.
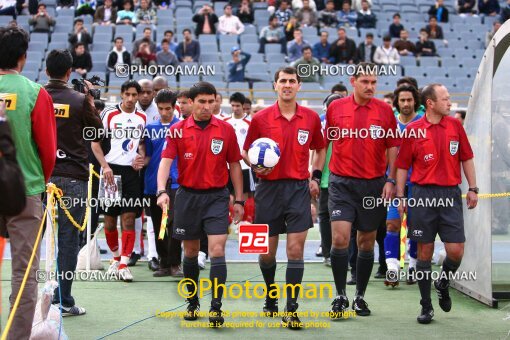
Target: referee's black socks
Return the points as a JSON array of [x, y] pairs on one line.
[[218, 272], [364, 265], [449, 267], [191, 271], [423, 269], [268, 272], [340, 266], [293, 277]]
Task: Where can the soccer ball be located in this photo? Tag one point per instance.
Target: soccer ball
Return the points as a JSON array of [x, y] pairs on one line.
[[264, 153]]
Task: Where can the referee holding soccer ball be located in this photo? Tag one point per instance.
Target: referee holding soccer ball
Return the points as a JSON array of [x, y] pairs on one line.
[[436, 160], [282, 197]]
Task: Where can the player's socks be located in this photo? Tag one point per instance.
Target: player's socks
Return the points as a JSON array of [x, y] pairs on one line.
[[249, 210], [424, 268], [123, 261], [112, 240], [364, 265], [191, 271], [294, 277], [449, 267], [151, 237], [413, 253], [128, 242], [340, 266], [391, 247], [268, 272], [138, 232], [218, 272]]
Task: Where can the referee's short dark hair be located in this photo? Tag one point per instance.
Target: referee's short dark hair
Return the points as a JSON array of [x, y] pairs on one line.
[[340, 88], [286, 70], [13, 45], [365, 69], [407, 80], [238, 97], [202, 87], [166, 96], [129, 84], [407, 88], [429, 92], [58, 62]]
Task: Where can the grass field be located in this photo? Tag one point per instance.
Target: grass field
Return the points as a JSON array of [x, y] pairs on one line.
[[130, 310]]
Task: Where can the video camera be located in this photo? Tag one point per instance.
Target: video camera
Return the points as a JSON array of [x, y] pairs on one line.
[[80, 86]]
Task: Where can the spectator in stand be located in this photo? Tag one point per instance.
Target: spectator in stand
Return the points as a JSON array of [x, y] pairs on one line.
[[343, 49], [165, 56], [147, 37], [85, 7], [82, 61], [424, 46], [105, 14], [236, 67], [460, 115], [396, 27], [356, 4], [80, 35], [188, 50], [366, 49], [366, 18], [505, 12], [328, 16], [306, 15], [434, 30], [41, 21], [118, 55], [228, 23], [294, 47], [439, 11], [206, 20], [321, 49], [272, 34], [489, 7], [245, 12], [308, 59], [495, 27], [466, 7], [283, 13], [298, 4], [146, 14], [169, 35], [144, 55], [126, 16], [292, 25], [404, 46], [347, 17], [386, 54]]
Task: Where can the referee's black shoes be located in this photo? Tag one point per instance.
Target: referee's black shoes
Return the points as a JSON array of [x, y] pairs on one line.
[[360, 306], [445, 302], [427, 312], [290, 318], [270, 306], [193, 309], [216, 315], [339, 308]]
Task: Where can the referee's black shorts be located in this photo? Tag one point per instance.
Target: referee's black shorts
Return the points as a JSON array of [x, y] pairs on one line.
[[248, 182], [346, 201], [200, 211], [436, 210], [131, 188], [284, 205]]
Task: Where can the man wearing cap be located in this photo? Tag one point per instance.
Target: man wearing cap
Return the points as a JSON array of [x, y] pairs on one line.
[[237, 65]]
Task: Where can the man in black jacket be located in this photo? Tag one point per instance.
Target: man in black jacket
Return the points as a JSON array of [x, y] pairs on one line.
[[74, 113], [366, 49], [206, 20], [118, 55], [343, 50]]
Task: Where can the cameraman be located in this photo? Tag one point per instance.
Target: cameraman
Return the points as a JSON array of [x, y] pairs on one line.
[[74, 111]]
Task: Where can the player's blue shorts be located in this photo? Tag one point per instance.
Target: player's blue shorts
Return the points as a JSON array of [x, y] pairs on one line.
[[393, 210]]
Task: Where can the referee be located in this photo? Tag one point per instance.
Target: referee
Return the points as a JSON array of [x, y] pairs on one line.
[[282, 197], [201, 203], [436, 160], [358, 127]]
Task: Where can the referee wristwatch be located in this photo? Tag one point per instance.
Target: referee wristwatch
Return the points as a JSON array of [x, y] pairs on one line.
[[161, 192], [391, 180], [240, 202], [475, 190]]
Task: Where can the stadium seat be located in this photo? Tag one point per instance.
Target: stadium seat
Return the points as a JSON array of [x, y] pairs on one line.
[[250, 47], [209, 57], [228, 39], [98, 66], [207, 39], [428, 61]]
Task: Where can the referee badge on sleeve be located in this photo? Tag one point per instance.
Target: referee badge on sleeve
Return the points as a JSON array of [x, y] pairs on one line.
[[302, 136], [454, 147], [216, 146]]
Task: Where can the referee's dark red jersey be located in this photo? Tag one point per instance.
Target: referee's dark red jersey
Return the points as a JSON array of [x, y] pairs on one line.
[[436, 158], [354, 155], [202, 154], [295, 138]]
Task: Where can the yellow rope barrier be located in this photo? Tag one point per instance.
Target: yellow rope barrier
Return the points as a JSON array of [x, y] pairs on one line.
[[499, 195], [25, 277]]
